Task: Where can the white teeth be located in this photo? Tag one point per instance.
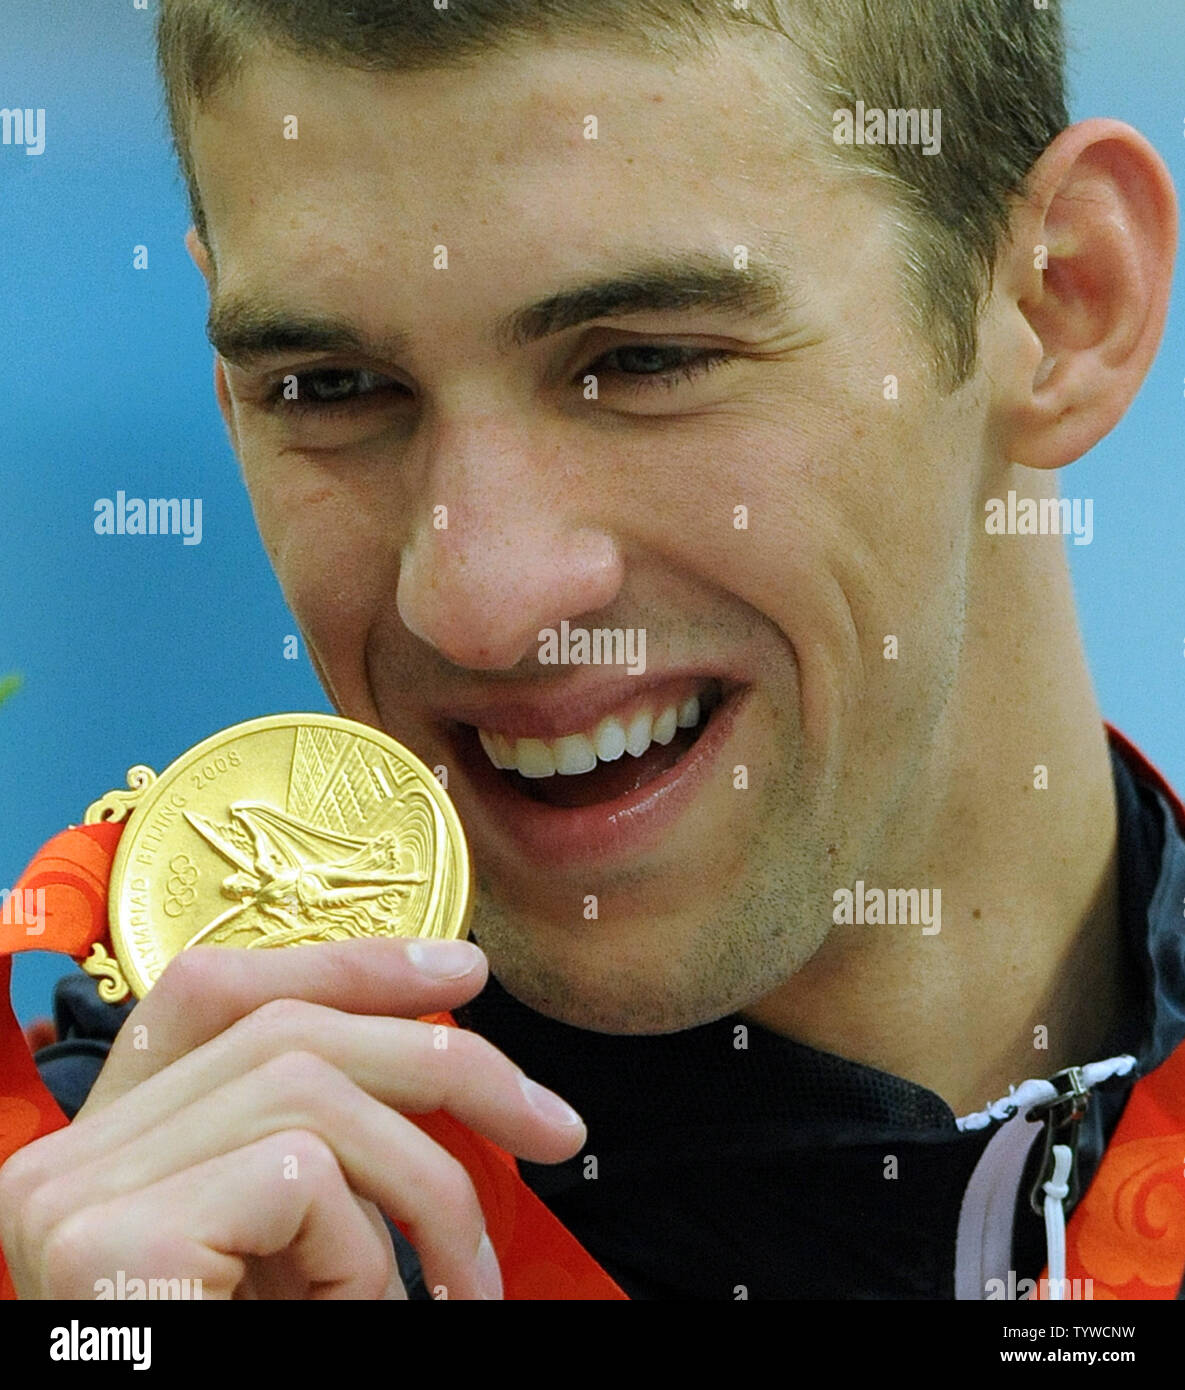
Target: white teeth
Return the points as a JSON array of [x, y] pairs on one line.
[[637, 736], [574, 754], [490, 743], [610, 740], [498, 749], [664, 726], [505, 750], [534, 758]]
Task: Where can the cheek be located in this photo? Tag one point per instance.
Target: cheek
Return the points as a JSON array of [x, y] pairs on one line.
[[332, 560], [757, 508], [835, 523]]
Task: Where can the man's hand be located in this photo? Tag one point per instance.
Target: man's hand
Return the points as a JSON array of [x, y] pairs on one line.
[[249, 1126]]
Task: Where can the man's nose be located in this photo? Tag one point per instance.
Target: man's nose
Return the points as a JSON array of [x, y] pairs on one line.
[[501, 547]]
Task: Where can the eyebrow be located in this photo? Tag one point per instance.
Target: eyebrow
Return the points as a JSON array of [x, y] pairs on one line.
[[244, 329], [687, 284]]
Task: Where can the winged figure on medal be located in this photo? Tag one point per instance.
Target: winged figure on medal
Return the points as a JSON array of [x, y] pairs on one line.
[[302, 882]]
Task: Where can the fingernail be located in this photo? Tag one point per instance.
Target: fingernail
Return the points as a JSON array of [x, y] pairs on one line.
[[547, 1103], [443, 960], [489, 1276]]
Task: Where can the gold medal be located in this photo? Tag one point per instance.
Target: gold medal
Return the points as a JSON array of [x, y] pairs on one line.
[[281, 831]]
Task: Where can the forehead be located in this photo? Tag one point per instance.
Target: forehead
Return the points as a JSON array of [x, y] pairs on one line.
[[545, 150]]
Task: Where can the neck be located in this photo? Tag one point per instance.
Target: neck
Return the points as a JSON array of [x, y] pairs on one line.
[[1025, 975]]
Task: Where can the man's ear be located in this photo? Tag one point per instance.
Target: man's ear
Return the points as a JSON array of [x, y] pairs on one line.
[[200, 255], [1085, 284]]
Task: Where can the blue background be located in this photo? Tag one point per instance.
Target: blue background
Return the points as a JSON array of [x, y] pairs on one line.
[[134, 648]]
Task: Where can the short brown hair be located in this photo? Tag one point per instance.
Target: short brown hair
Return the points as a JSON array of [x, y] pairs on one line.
[[995, 69]]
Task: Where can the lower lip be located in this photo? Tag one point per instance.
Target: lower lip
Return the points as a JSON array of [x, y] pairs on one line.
[[584, 835]]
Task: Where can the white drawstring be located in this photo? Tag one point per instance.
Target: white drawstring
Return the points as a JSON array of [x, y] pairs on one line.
[[1030, 1093], [1057, 1189], [1022, 1098]]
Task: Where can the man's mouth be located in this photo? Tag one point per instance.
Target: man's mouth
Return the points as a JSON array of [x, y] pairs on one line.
[[604, 774], [593, 770], [619, 755]]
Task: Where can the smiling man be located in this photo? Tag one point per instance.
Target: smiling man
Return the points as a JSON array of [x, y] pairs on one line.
[[543, 314]]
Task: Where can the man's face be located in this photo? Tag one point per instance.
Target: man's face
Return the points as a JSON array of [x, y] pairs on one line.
[[740, 488]]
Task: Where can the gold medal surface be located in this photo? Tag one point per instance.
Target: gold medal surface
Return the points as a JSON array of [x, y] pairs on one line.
[[291, 829]]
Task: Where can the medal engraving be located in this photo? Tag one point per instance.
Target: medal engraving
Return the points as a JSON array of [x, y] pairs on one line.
[[285, 831]]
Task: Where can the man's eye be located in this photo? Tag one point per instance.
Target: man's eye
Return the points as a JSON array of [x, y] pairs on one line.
[[329, 387], [651, 365]]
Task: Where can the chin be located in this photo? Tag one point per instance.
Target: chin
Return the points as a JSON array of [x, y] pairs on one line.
[[646, 997]]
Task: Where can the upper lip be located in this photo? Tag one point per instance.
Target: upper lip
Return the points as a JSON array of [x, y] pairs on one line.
[[580, 702]]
